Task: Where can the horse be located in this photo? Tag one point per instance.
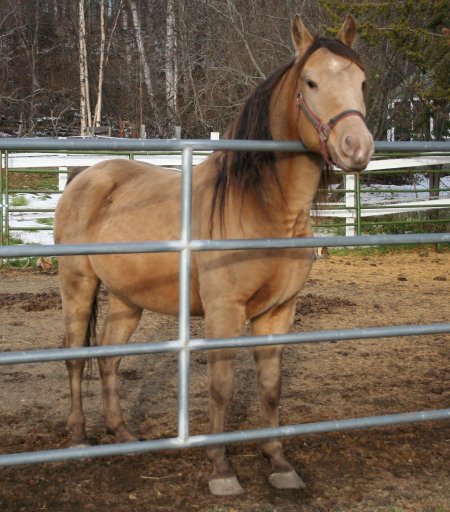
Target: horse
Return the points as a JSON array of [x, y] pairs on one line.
[[235, 195]]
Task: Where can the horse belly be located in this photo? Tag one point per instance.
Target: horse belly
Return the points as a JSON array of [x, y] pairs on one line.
[[150, 281]]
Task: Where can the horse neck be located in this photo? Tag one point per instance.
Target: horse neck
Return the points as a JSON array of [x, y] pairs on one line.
[[298, 174]]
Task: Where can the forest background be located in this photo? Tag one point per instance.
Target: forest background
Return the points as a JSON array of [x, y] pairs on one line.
[[125, 67]]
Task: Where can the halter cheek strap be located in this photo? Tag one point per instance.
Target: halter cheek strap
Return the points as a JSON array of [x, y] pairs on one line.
[[324, 129]]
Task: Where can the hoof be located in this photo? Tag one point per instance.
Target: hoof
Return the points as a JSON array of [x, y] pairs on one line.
[[225, 486], [126, 439], [80, 445], [288, 480], [79, 442]]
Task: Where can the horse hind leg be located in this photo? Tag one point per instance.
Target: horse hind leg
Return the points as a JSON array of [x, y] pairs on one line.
[[121, 321], [78, 301], [268, 367]]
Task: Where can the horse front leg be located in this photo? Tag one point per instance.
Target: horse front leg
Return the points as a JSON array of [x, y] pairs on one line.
[[222, 321], [268, 366]]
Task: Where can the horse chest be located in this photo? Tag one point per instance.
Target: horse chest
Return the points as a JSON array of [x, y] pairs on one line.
[[282, 281]]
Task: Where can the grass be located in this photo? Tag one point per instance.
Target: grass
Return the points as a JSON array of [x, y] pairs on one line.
[[30, 179], [378, 250], [18, 201], [47, 221], [400, 509], [12, 240]]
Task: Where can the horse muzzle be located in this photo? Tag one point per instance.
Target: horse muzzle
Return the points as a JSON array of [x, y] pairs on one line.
[[352, 153]]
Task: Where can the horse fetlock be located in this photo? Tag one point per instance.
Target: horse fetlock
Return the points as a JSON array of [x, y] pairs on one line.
[[78, 437], [121, 433], [77, 429]]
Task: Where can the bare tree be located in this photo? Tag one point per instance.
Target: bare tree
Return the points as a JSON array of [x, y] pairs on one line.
[[171, 65], [101, 67], [147, 76], [85, 108]]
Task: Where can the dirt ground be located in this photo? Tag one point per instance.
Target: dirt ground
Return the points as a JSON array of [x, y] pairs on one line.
[[390, 469]]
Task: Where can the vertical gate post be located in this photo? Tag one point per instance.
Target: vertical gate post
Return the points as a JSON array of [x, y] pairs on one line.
[[5, 191], [62, 176], [350, 204], [358, 204], [184, 296], [2, 200]]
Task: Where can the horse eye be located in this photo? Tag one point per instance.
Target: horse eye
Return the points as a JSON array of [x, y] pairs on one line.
[[311, 84]]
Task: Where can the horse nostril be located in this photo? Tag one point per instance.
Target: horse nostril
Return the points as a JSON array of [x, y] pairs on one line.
[[353, 149], [349, 144]]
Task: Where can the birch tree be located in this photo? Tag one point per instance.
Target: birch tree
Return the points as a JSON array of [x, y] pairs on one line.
[[145, 67], [85, 108], [101, 67], [171, 66], [104, 55]]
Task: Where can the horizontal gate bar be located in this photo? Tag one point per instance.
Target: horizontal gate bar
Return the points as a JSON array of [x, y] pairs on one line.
[[25, 251], [134, 145], [66, 454], [364, 333]]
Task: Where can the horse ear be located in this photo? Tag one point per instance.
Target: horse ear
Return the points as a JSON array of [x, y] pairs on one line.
[[301, 38], [348, 31]]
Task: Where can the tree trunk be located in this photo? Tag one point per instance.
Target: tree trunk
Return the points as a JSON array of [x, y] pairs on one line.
[[143, 60], [101, 66], [171, 67], [85, 111]]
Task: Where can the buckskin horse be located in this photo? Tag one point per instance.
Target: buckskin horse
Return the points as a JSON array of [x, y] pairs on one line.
[[317, 98]]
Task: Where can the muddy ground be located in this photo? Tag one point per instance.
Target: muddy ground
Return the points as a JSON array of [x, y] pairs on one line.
[[384, 469]]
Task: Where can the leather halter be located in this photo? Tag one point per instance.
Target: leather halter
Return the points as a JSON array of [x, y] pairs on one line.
[[324, 129]]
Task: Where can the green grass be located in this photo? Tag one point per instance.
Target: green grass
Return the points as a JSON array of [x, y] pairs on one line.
[[378, 250], [18, 201], [32, 179], [400, 509], [47, 221], [436, 221], [12, 240]]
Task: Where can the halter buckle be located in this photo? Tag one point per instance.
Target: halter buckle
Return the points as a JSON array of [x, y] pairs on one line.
[[324, 130]]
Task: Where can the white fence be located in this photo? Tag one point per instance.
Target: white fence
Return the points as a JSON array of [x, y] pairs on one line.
[[347, 210]]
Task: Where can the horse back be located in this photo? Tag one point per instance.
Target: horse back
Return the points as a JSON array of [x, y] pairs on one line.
[[119, 200]]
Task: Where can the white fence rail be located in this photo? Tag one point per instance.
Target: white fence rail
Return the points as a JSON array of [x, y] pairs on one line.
[[347, 210]]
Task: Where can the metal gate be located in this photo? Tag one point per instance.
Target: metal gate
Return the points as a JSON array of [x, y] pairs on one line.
[[184, 345]]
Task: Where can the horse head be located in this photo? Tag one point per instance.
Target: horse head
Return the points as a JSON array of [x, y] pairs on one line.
[[330, 97]]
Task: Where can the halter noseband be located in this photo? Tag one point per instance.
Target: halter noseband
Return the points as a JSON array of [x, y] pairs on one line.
[[324, 129]]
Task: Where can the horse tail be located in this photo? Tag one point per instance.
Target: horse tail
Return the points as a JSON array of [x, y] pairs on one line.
[[75, 171], [91, 332], [91, 328]]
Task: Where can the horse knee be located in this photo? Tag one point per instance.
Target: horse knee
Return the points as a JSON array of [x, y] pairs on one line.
[[271, 397], [75, 365], [221, 394], [108, 365]]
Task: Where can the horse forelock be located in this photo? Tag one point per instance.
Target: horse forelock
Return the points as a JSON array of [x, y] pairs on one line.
[[334, 46], [246, 171]]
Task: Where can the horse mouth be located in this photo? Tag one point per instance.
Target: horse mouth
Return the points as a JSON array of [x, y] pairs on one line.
[[353, 167], [351, 170]]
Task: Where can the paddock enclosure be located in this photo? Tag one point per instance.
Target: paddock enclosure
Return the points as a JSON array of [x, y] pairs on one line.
[[383, 373]]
